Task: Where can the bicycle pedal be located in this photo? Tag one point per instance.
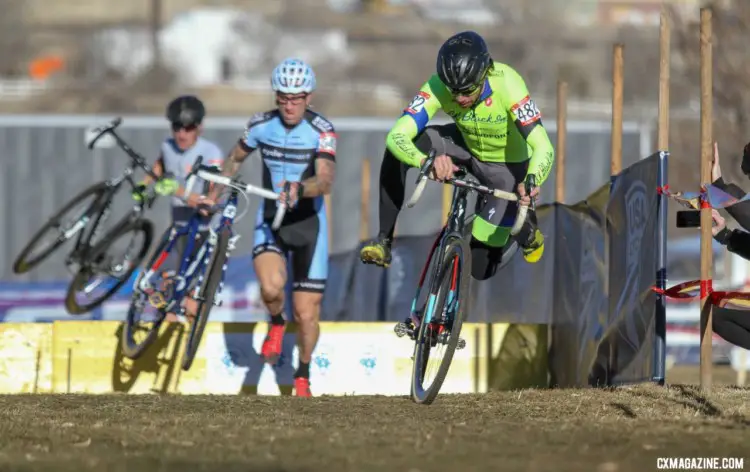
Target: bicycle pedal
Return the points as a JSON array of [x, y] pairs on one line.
[[401, 329], [157, 300]]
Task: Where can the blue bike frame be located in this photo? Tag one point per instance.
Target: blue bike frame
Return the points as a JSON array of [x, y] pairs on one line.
[[190, 266]]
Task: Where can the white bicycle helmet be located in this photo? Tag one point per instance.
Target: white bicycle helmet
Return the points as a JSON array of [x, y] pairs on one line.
[[293, 76]]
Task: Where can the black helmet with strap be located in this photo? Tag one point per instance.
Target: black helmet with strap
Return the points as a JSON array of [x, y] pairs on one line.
[[186, 110], [463, 61]]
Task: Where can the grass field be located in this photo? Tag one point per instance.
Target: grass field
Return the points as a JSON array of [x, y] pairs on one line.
[[552, 430]]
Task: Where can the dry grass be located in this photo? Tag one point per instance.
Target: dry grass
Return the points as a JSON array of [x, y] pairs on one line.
[[562, 430]]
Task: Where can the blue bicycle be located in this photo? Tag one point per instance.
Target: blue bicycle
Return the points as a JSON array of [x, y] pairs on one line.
[[201, 271]]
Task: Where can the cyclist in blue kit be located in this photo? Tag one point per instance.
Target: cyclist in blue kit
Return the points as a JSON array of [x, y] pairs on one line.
[[297, 147]]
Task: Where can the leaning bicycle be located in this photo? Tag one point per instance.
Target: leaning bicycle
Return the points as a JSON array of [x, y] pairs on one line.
[[436, 322], [82, 219], [200, 275]]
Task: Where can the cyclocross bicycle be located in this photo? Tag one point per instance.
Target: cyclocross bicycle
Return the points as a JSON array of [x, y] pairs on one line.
[[82, 218], [200, 274], [438, 320]]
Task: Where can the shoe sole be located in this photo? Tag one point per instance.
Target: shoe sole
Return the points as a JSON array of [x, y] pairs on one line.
[[371, 256], [535, 255]]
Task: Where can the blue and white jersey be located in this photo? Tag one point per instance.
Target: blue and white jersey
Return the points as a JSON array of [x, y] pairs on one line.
[[289, 153]]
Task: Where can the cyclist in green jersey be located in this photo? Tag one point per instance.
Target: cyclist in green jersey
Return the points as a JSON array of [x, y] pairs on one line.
[[497, 134]]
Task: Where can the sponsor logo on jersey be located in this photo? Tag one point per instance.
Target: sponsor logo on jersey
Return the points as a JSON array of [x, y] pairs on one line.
[[323, 124], [471, 116]]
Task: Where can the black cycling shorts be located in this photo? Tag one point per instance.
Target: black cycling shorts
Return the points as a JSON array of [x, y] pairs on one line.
[[305, 242]]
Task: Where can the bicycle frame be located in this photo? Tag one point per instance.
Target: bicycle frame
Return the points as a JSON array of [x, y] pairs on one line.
[[99, 211], [227, 220], [456, 224], [192, 265]]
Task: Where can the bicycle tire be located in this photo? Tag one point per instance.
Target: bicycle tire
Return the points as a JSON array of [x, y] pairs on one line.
[[455, 247], [208, 292], [131, 348], [127, 226], [21, 265]]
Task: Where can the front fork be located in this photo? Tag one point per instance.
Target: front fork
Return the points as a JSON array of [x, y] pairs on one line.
[[411, 325], [231, 245]]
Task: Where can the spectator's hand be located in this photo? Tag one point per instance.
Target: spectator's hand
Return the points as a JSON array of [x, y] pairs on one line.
[[719, 222], [526, 199], [715, 167]]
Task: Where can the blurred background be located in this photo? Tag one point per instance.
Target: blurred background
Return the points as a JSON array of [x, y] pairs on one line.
[[69, 64]]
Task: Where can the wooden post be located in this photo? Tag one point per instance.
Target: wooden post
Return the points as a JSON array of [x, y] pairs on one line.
[[562, 130], [664, 46], [617, 86], [706, 221], [364, 222]]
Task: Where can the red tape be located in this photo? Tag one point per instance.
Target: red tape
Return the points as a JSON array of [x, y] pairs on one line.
[[706, 290]]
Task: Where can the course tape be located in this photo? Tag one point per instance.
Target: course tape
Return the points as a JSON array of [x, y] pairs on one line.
[[710, 196], [688, 291]]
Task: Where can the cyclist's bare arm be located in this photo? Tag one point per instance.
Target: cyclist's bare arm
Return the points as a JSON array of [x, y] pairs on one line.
[[400, 140], [231, 165], [158, 169], [528, 121], [322, 182]]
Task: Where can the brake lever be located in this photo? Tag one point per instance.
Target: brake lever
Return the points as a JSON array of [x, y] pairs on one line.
[[426, 167], [530, 185], [287, 189]]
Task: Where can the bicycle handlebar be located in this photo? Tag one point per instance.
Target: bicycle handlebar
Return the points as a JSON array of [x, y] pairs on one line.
[[205, 173], [424, 175], [109, 128]]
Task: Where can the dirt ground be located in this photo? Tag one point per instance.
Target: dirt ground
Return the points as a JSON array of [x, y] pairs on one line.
[[531, 430]]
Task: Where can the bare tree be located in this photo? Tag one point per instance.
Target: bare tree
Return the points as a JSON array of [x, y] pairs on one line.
[[731, 68], [14, 39]]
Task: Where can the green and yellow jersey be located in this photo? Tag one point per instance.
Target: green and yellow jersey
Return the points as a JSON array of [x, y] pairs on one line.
[[504, 125]]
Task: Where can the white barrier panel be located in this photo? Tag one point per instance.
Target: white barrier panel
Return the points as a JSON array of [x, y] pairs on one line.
[[350, 359]]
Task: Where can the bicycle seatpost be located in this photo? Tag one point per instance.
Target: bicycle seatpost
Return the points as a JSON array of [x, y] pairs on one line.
[[530, 185]]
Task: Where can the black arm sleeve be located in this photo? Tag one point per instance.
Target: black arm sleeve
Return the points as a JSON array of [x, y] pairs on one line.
[[737, 241], [740, 211], [731, 189]]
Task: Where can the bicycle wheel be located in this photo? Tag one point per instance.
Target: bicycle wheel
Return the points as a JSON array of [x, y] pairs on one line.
[[210, 285], [27, 260], [143, 319], [115, 269], [442, 319]]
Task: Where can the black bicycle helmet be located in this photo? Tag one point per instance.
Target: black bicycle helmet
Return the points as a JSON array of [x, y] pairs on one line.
[[186, 110], [463, 61]]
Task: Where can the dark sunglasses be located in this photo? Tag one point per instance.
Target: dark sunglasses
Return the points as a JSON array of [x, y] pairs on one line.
[[467, 91], [178, 126]]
